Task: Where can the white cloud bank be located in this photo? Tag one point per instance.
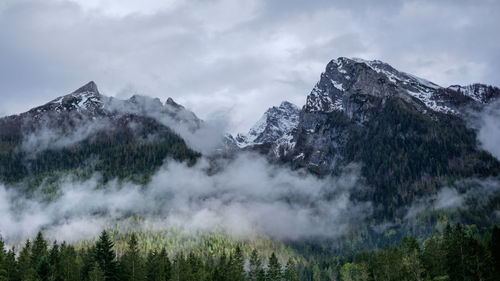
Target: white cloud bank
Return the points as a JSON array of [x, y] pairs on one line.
[[248, 195]]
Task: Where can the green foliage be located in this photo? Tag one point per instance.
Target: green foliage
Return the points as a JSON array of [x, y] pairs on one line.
[[406, 154], [459, 253], [354, 272], [125, 151], [290, 273], [105, 257], [273, 269]]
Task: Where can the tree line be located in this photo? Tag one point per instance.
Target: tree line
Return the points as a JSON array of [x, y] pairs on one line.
[[457, 253], [36, 261]]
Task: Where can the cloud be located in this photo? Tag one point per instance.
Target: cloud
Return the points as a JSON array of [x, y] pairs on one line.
[[489, 129], [56, 136], [247, 195], [238, 57], [468, 194]]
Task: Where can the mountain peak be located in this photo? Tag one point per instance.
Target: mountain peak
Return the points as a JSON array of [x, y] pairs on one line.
[[276, 123], [89, 87], [171, 102], [288, 106]]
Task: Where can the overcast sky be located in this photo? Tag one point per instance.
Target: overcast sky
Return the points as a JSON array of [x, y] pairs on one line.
[[233, 57]]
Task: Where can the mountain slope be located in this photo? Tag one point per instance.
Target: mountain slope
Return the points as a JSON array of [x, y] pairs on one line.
[[409, 135], [89, 132]]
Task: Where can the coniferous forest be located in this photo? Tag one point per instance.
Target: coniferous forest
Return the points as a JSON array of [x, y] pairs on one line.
[[458, 253]]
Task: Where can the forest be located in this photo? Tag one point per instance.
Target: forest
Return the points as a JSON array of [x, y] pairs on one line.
[[457, 253]]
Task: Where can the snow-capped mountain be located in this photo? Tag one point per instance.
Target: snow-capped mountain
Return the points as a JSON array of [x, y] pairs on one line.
[[407, 135], [85, 99], [404, 131], [276, 123], [88, 131], [88, 103], [344, 77]]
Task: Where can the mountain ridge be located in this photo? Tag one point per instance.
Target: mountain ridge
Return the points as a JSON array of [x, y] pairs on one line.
[[408, 135]]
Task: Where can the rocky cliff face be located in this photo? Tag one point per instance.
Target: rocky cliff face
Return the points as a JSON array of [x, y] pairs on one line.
[[407, 133]]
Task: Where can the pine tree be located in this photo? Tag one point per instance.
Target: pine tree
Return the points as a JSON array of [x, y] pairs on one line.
[[43, 269], [105, 257], [495, 250], [131, 262], [153, 269], [236, 267], [3, 259], [165, 265], [55, 263], [96, 274], [221, 272], [38, 250], [255, 266], [291, 271], [26, 270], [273, 269], [434, 251], [10, 266], [69, 263]]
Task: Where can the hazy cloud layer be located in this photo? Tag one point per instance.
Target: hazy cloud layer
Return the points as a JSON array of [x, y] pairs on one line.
[[489, 129], [239, 57], [51, 136], [463, 195], [247, 196]]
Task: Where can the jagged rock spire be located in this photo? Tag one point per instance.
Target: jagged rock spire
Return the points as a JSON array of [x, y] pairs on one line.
[[89, 87]]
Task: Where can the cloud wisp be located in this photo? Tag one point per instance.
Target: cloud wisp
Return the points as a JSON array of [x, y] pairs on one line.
[[466, 194], [489, 129], [247, 195]]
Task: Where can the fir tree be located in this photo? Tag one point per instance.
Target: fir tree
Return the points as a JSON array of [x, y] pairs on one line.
[[273, 269], [131, 262], [105, 257], [236, 267], [290, 271], [3, 259], [255, 266]]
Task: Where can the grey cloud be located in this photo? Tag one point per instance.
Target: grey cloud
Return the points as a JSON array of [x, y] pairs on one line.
[[489, 129], [242, 59], [247, 196], [48, 136], [462, 195]]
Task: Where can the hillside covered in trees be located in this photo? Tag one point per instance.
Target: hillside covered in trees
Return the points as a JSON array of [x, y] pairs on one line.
[[459, 253]]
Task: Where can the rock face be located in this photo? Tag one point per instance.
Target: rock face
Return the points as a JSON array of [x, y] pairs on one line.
[[274, 127], [345, 77], [405, 131]]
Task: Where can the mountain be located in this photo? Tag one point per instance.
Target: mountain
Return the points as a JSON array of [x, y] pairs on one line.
[[409, 135], [86, 131], [273, 128]]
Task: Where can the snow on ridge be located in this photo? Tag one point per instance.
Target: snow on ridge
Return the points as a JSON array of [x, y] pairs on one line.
[[474, 91], [337, 85], [275, 125]]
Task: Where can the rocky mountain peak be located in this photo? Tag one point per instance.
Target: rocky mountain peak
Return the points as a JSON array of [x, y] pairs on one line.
[[90, 87], [274, 124], [144, 104], [344, 77], [85, 99], [172, 103]]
